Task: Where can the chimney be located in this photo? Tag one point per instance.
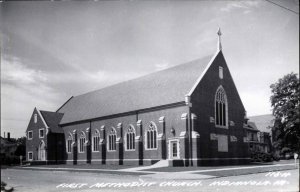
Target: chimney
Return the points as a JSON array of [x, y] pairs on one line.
[[4, 135], [8, 136], [246, 118]]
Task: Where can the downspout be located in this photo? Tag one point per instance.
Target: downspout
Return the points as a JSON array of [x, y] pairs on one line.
[[189, 104]]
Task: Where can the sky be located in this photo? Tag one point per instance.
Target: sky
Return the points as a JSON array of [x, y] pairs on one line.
[[51, 51]]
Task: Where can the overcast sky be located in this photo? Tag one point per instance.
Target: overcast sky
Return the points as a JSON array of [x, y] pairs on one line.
[[53, 50]]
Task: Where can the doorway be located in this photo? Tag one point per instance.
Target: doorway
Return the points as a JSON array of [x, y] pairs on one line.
[[174, 149], [42, 152]]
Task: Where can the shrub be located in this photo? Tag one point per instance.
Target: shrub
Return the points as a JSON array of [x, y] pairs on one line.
[[257, 156], [3, 187]]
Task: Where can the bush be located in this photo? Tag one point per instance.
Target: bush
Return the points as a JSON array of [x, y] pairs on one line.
[[10, 161], [276, 157], [285, 150], [3, 187], [257, 156], [267, 157]]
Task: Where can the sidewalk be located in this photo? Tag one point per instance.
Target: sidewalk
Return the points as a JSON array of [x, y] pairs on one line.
[[161, 170]]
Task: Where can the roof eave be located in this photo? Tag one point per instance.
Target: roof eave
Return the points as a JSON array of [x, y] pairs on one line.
[[43, 120], [202, 74], [179, 103]]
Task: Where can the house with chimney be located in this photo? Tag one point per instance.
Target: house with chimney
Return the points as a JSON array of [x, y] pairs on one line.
[[8, 148]]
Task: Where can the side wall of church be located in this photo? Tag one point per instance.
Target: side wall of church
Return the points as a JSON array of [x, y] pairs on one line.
[[165, 120]]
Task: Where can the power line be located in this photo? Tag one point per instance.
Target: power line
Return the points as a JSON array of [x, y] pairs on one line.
[[282, 7], [10, 119]]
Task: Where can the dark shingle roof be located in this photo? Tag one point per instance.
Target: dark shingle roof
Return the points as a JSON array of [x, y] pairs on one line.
[[156, 89], [263, 122], [52, 119], [252, 125]]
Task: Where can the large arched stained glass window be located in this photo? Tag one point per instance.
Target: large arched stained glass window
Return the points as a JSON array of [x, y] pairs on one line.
[[151, 136], [221, 108], [82, 142], [69, 143], [96, 139], [130, 138], [112, 137]]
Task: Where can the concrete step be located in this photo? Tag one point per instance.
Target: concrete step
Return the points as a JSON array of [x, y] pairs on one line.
[[161, 163]]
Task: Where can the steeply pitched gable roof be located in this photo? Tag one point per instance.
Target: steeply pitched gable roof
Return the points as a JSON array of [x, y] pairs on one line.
[[263, 122], [52, 119], [160, 88]]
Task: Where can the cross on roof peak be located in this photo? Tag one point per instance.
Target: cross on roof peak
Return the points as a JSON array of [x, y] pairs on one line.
[[219, 39], [219, 32]]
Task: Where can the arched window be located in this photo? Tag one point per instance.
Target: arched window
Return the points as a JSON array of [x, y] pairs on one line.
[[221, 108], [69, 143], [130, 138], [41, 151], [151, 135], [96, 139], [112, 137], [81, 142]]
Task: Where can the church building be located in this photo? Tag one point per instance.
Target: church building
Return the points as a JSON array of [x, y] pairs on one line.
[[188, 115]]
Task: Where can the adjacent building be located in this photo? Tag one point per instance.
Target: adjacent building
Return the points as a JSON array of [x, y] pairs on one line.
[[258, 141], [45, 138], [263, 124]]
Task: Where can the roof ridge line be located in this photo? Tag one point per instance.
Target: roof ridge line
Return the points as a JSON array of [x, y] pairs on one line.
[[155, 72], [64, 104], [42, 117]]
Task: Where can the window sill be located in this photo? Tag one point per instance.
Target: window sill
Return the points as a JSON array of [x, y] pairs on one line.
[[129, 149], [222, 127], [151, 149], [174, 158]]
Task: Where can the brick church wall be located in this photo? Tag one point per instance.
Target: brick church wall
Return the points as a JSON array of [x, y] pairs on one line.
[[203, 100], [172, 118]]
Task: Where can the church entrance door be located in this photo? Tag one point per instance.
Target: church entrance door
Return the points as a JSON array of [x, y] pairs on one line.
[[174, 149]]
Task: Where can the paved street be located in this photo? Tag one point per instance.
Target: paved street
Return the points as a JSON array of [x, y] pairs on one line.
[[50, 180]]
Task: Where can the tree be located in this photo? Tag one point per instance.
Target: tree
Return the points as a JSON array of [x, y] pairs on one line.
[[21, 141], [285, 101], [21, 149]]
